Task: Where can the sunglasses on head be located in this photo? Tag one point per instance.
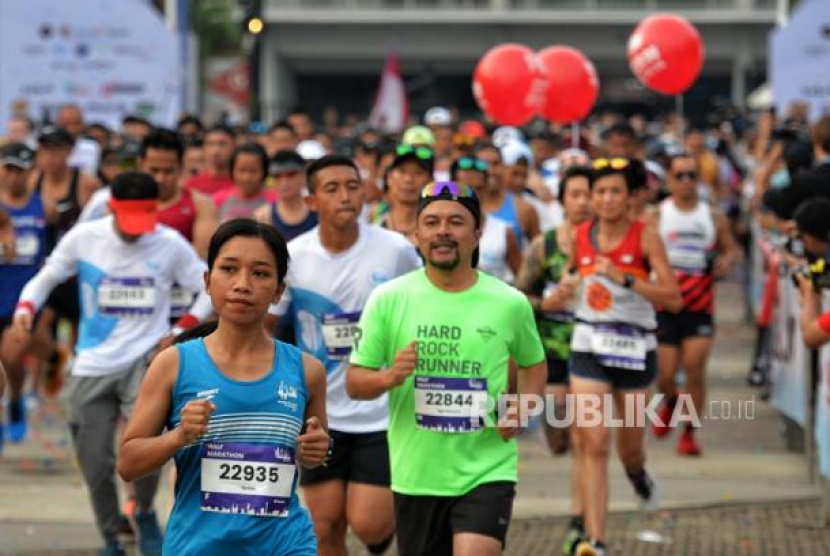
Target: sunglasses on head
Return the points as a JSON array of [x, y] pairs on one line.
[[470, 163], [613, 163], [691, 176], [455, 190], [424, 153]]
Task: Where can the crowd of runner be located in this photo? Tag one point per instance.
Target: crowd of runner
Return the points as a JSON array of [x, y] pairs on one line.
[[371, 318]]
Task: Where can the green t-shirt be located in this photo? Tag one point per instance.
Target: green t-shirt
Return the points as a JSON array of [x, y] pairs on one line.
[[465, 341]]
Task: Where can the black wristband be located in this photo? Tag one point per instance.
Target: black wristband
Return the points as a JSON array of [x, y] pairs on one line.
[[628, 281]]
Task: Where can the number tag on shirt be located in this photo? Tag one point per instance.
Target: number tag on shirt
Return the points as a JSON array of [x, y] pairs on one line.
[[27, 245], [180, 301], [248, 479], [619, 346], [339, 330], [127, 296], [450, 404], [687, 258]]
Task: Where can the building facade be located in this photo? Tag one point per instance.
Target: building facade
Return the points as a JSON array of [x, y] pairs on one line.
[[318, 53]]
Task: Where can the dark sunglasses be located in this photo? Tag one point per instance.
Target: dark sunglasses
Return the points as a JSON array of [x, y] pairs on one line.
[[470, 163], [455, 190], [423, 153], [691, 176]]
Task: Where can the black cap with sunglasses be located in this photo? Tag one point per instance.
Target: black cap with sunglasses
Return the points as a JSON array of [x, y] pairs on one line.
[[422, 155], [452, 191]]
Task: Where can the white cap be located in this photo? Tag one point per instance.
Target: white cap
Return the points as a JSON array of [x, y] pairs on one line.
[[311, 149], [507, 134], [438, 116], [514, 151]]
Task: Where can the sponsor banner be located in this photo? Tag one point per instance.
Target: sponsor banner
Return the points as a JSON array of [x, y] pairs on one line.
[[110, 58]]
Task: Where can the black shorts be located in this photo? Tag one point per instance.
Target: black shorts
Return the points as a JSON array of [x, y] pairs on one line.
[[426, 524], [355, 458], [585, 365], [673, 328], [557, 371], [65, 302]]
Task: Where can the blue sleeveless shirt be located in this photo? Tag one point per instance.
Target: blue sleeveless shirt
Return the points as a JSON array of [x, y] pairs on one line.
[[30, 235], [236, 488], [507, 212]]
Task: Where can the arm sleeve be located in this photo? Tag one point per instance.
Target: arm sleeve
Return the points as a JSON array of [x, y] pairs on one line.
[[61, 265], [372, 339], [202, 306], [188, 268], [526, 347]]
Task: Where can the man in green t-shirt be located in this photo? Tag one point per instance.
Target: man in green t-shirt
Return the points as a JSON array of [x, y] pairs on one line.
[[439, 340]]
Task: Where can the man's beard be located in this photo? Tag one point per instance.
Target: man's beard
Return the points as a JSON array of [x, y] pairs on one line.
[[446, 265]]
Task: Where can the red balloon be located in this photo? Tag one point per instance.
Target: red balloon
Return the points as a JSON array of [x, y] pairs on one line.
[[509, 84], [665, 52], [572, 84]]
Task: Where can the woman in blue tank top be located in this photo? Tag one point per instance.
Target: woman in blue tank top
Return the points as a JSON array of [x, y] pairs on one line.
[[241, 410]]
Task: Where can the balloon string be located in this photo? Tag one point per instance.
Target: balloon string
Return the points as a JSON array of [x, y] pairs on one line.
[[575, 135], [681, 119]]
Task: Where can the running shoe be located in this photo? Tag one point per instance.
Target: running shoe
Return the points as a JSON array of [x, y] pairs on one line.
[[17, 420], [687, 445], [149, 534], [572, 540], [591, 548], [662, 427], [126, 533], [112, 549], [647, 494]]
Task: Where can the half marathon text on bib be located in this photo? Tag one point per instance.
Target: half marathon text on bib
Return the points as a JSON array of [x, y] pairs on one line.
[[127, 296], [339, 330], [450, 404], [619, 346], [249, 479]]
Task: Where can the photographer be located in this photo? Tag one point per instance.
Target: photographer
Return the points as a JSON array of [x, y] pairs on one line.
[[814, 227]]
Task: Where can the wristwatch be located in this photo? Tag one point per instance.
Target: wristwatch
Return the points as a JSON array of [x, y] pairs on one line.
[[628, 281]]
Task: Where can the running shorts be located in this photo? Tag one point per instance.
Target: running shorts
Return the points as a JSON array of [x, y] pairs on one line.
[[426, 524]]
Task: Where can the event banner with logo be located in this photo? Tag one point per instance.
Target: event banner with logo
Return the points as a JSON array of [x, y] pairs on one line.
[[799, 58], [111, 58], [790, 357]]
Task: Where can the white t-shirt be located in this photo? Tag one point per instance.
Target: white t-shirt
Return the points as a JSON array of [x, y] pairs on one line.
[[325, 296], [97, 206], [124, 290]]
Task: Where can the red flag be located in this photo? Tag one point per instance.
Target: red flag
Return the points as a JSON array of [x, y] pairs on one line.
[[233, 83], [391, 109]]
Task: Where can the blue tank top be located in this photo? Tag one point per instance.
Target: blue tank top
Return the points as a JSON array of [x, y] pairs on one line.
[[30, 234], [290, 231], [236, 489], [507, 212]]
